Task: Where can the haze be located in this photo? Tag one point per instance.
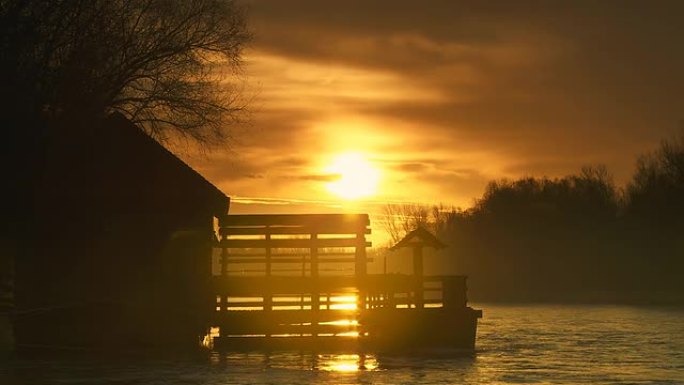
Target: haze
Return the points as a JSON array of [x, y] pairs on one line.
[[440, 97]]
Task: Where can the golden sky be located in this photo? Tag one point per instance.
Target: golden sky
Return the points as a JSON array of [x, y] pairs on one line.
[[436, 98]]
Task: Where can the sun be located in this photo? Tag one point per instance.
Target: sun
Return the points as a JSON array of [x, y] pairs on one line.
[[356, 177]]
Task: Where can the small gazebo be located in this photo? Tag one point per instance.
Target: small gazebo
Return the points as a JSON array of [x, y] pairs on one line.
[[418, 239]]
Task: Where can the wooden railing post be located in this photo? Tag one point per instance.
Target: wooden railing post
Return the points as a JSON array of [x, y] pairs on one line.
[[361, 269], [268, 296], [315, 292], [418, 276], [224, 274], [224, 262]]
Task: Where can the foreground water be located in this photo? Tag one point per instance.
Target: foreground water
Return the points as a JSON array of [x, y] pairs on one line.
[[537, 344]]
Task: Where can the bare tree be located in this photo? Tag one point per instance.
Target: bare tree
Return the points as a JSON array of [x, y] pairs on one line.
[[657, 187], [400, 219], [168, 65]]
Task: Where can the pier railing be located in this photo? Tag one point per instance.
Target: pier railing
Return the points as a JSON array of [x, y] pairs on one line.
[[283, 275], [306, 276]]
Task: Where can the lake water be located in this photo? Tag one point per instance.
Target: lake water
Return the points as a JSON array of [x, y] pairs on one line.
[[530, 344]]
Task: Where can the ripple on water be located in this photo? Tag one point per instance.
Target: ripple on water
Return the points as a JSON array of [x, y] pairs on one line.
[[537, 344]]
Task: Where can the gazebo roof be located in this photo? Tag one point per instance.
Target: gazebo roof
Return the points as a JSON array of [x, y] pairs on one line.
[[419, 237]]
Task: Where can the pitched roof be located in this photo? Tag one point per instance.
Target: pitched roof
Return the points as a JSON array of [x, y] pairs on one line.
[[168, 167], [419, 237]]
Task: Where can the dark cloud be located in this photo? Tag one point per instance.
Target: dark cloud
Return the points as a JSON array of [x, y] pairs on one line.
[[315, 177], [280, 130], [454, 93], [411, 167], [545, 64], [254, 176]]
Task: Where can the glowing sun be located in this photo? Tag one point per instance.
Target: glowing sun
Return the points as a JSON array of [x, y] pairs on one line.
[[356, 176]]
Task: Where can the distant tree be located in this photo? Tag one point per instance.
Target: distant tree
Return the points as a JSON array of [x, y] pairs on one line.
[[657, 187], [400, 219], [590, 193], [162, 63], [655, 213], [594, 191]]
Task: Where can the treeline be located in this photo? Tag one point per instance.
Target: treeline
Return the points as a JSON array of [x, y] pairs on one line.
[[576, 238]]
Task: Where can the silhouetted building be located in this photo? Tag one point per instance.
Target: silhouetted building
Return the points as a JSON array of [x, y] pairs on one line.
[[122, 247]]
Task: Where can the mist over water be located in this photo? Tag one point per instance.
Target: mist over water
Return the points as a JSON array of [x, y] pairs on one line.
[[541, 344]]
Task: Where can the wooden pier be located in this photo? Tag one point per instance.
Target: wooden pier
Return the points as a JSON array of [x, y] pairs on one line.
[[301, 280]]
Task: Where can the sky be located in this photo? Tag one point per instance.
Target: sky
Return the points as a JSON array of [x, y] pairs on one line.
[[433, 99]]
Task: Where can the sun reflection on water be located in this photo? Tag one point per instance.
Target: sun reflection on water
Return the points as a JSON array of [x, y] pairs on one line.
[[332, 362], [346, 363]]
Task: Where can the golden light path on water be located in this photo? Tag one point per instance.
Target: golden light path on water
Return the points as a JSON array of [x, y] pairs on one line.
[[324, 362], [516, 344], [346, 362]]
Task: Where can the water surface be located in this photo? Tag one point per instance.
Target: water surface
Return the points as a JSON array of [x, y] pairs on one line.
[[530, 344]]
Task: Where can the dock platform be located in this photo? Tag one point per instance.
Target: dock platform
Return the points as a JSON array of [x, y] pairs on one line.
[[284, 281]]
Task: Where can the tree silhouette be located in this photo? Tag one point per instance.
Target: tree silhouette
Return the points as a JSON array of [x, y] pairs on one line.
[[399, 219], [67, 64], [655, 213], [657, 187], [162, 63]]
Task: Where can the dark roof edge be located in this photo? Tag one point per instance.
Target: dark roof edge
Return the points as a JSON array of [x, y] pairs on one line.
[[220, 200], [428, 239]]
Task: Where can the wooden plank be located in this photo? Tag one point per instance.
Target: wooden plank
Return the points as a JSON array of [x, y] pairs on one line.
[[275, 261], [297, 285], [251, 329], [280, 303], [292, 243], [243, 304], [341, 222], [291, 230], [287, 285], [322, 302], [259, 260], [324, 254], [282, 285], [240, 270], [405, 301], [321, 254], [286, 282], [279, 316]]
